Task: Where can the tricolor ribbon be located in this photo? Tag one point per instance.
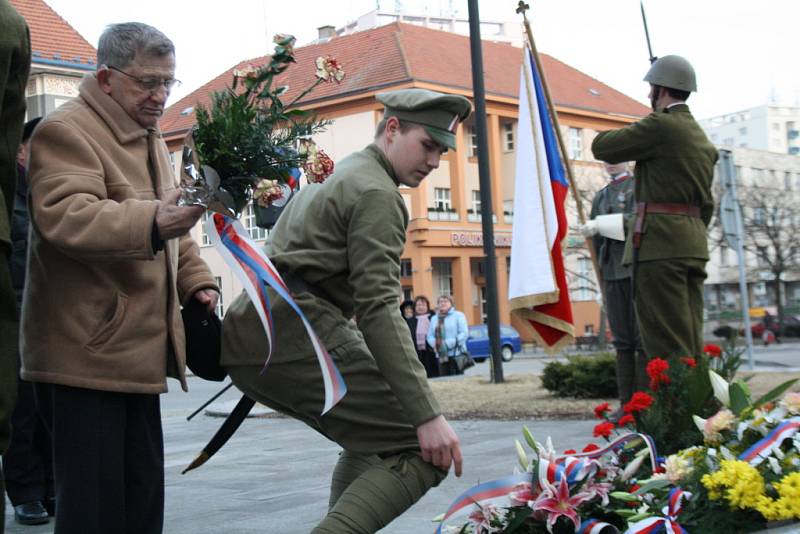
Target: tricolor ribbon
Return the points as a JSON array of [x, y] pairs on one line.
[[597, 453], [668, 523], [484, 492], [254, 270], [595, 526], [762, 449], [573, 468]]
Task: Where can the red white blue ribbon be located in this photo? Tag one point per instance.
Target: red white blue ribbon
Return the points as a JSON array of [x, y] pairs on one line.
[[762, 449], [254, 270], [597, 453], [668, 523], [484, 492], [595, 526]]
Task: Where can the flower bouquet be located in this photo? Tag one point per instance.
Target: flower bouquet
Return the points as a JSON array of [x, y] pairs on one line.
[[250, 144]]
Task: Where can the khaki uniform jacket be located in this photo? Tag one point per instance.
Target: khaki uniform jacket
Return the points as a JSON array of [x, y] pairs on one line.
[[344, 237], [616, 197], [674, 164], [101, 310]]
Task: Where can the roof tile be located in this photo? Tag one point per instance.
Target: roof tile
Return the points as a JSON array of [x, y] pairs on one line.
[[52, 37]]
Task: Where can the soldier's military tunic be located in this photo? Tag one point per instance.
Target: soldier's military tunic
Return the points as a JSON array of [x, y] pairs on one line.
[[338, 244], [15, 62], [674, 167], [618, 197]]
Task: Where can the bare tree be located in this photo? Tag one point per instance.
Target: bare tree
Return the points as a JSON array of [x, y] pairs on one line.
[[771, 220]]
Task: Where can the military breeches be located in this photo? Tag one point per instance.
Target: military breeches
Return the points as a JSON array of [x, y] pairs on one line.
[[669, 305], [622, 314], [380, 472]]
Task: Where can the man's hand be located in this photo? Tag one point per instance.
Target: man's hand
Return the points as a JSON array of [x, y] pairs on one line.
[[173, 220], [209, 297], [589, 229], [439, 444]]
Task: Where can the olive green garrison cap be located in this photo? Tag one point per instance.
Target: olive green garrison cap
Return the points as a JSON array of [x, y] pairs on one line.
[[438, 113]]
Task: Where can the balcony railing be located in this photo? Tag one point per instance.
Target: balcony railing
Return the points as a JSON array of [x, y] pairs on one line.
[[435, 214]]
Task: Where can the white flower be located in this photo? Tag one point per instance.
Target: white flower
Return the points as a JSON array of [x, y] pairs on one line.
[[720, 386], [791, 401], [521, 456], [699, 422]]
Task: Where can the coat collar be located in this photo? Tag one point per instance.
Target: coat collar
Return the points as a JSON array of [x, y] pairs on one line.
[[677, 108], [125, 129]]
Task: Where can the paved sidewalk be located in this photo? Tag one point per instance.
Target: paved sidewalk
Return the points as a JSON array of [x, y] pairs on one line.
[[273, 476]]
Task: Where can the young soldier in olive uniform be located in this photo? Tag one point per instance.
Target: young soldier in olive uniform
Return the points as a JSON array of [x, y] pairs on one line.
[[15, 64], [618, 197], [337, 246], [674, 169]]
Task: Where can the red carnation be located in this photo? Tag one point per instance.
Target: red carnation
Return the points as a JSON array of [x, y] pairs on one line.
[[603, 429], [657, 367], [590, 447], [570, 451], [639, 401], [626, 419], [713, 351], [601, 409], [690, 362]]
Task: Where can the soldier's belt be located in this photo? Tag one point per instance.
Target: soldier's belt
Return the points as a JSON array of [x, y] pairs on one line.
[[661, 208], [298, 285]]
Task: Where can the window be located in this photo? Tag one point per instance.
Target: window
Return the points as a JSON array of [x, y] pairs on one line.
[[441, 197], [508, 136], [249, 222], [723, 255], [405, 268], [728, 141], [743, 130], [761, 256], [575, 136], [581, 287], [759, 216], [473, 142], [442, 278], [220, 309], [476, 201], [204, 239]]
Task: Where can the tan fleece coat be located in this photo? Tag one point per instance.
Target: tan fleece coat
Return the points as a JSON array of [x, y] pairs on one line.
[[101, 310]]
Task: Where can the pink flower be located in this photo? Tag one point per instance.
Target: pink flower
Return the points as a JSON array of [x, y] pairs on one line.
[[558, 502], [329, 70], [267, 192], [522, 494], [483, 516]]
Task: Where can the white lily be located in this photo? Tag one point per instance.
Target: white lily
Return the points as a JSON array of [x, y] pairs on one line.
[[699, 422], [521, 456], [720, 386], [632, 467]]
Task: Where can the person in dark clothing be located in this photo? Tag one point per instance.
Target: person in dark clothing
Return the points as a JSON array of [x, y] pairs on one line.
[[27, 463], [407, 309], [419, 325]]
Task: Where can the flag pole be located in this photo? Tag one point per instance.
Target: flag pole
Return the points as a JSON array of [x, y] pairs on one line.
[[522, 9]]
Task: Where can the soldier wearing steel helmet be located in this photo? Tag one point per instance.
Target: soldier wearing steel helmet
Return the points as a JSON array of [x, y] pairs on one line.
[[667, 241], [337, 246]]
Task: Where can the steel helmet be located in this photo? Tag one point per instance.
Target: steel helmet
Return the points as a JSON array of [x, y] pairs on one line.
[[673, 72]]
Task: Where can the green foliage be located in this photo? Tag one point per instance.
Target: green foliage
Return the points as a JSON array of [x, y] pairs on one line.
[[582, 377], [249, 133]]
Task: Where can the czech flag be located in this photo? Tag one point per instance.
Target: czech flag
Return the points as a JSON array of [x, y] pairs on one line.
[[538, 289]]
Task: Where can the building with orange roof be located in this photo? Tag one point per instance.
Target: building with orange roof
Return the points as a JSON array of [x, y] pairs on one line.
[[444, 251], [60, 57]]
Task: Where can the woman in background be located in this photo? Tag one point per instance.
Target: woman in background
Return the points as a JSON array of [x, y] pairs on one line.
[[448, 336], [419, 325]]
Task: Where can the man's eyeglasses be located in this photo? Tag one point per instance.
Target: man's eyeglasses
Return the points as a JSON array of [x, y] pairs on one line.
[[150, 83]]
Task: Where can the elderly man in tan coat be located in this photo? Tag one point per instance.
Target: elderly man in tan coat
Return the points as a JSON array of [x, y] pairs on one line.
[[110, 265]]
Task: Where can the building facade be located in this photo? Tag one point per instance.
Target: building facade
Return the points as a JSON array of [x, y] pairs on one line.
[[60, 57], [444, 249], [770, 127]]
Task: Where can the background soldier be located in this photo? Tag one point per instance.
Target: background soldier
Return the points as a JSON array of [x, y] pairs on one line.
[[674, 169], [618, 197], [15, 64], [337, 246]]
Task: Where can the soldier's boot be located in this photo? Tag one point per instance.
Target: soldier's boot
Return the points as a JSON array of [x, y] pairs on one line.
[[379, 490], [626, 374], [642, 380]]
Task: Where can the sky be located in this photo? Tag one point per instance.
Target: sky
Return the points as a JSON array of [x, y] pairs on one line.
[[744, 52]]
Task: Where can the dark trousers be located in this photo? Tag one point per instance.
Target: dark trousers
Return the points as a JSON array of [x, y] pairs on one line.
[[8, 361], [108, 460], [669, 305], [27, 463], [429, 360]]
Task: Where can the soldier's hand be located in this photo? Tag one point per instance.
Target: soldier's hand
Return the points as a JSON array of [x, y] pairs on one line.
[[439, 444], [173, 220], [589, 229]]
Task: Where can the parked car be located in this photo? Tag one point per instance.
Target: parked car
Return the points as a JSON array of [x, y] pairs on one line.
[[478, 342], [790, 323]]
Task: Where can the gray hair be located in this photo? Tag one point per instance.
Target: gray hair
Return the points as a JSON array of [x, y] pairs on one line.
[[120, 43]]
